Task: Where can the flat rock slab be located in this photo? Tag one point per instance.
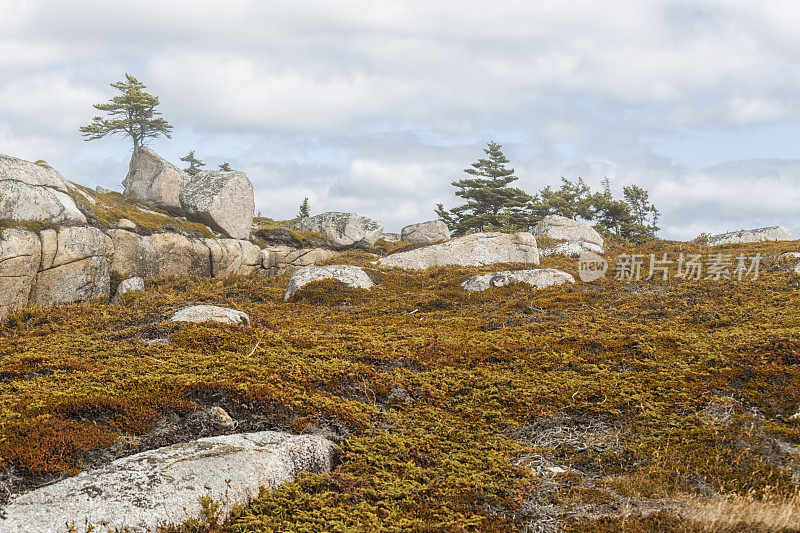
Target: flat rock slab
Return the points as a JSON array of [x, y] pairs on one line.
[[165, 485], [477, 249], [539, 278], [210, 313], [349, 275], [772, 233]]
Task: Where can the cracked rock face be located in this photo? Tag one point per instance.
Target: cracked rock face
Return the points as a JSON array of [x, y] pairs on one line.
[[539, 278], [165, 485], [342, 230], [349, 275], [20, 254], [221, 200], [477, 249], [35, 192]]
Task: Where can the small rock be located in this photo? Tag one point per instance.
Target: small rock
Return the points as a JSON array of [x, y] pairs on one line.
[[211, 313], [129, 285], [391, 237], [539, 278], [349, 275], [221, 417], [102, 190], [124, 223], [426, 232]]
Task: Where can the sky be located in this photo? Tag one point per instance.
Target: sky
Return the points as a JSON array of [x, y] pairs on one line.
[[375, 107]]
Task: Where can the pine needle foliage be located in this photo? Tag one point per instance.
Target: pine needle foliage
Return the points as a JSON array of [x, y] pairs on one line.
[[131, 113]]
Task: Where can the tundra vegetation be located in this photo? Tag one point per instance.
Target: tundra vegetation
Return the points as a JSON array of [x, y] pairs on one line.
[[611, 406]]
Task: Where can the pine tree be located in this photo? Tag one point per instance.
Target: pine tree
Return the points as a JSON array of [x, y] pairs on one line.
[[132, 113], [572, 200], [225, 167], [194, 164], [491, 203], [305, 211]]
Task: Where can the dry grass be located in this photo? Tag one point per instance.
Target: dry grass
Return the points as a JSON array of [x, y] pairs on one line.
[[771, 513]]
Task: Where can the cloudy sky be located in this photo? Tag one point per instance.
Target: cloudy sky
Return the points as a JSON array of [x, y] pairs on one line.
[[374, 107]]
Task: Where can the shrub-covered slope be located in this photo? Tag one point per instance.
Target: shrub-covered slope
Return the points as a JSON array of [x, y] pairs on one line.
[[609, 406]]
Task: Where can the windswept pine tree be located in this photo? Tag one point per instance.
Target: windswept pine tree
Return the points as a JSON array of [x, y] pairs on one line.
[[194, 164], [131, 113], [491, 203], [304, 211]]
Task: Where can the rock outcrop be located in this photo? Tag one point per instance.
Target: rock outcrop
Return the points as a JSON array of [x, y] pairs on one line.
[[35, 192], [539, 278], [341, 230], [572, 249], [426, 232], [232, 256], [155, 180], [773, 233], [210, 313], [477, 249], [280, 259], [221, 200], [160, 254], [165, 485], [349, 275], [20, 256], [74, 266]]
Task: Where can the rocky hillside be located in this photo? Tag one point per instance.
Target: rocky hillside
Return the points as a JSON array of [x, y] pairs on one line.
[[393, 383]]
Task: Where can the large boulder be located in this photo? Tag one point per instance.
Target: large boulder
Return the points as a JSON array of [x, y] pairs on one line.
[[211, 313], [233, 256], [221, 200], [572, 249], [426, 232], [476, 249], [74, 267], [155, 180], [566, 229], [349, 275], [165, 485], [20, 256], [773, 233], [341, 230], [279, 259], [539, 278], [160, 254], [35, 192]]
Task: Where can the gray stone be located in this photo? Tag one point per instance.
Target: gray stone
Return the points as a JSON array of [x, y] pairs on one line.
[[341, 230], [140, 492], [124, 223], [210, 313], [161, 254], [539, 278], [567, 229], [155, 181], [280, 259], [572, 249], [233, 256], [222, 200], [476, 249], [129, 285], [426, 232], [391, 237], [14, 169], [773, 233], [349, 275], [20, 256], [102, 190]]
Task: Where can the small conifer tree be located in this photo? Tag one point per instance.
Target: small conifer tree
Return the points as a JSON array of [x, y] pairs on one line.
[[305, 211], [194, 164]]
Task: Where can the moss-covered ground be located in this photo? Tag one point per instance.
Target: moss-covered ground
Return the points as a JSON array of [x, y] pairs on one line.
[[610, 406]]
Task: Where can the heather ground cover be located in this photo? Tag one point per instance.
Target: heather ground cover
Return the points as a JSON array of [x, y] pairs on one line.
[[644, 405]]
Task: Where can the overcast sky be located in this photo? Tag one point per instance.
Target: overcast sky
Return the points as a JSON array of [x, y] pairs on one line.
[[375, 106]]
